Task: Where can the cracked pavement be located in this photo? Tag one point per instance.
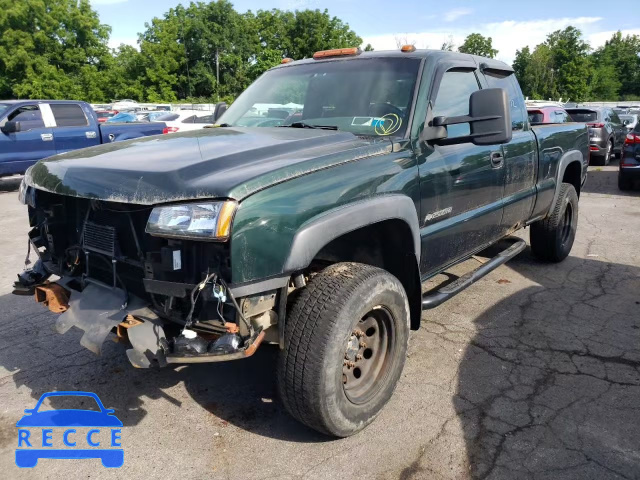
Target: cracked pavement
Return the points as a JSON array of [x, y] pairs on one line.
[[532, 373]]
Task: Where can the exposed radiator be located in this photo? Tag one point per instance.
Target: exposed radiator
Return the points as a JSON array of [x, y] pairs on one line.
[[99, 238]]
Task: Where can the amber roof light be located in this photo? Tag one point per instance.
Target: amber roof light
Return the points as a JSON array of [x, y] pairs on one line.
[[408, 48], [337, 52], [286, 60]]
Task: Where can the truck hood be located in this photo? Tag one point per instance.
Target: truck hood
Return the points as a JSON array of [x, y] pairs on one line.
[[207, 163]]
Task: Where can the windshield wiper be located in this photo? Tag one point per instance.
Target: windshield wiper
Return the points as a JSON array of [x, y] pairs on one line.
[[308, 125]]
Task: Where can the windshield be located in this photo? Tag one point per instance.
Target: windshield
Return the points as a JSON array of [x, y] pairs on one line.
[[3, 107], [363, 96], [630, 118]]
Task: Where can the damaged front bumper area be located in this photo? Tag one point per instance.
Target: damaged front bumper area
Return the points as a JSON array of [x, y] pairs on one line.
[[167, 299]]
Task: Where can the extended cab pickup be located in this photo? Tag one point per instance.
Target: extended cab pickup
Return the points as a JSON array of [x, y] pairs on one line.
[[311, 225], [31, 130]]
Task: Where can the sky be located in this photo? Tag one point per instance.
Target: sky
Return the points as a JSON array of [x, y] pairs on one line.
[[511, 24]]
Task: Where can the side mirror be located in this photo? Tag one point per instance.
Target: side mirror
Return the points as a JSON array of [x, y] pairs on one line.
[[11, 127], [489, 118], [220, 109]]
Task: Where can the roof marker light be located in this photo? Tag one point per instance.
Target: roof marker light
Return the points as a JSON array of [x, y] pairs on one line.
[[286, 60], [337, 52], [408, 48]]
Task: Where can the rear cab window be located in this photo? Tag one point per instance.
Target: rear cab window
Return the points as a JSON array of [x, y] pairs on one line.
[[536, 116], [69, 115]]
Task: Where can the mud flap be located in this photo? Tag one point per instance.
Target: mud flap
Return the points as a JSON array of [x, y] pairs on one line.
[[96, 310]]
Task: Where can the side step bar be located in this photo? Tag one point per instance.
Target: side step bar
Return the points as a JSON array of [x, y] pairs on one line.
[[438, 296]]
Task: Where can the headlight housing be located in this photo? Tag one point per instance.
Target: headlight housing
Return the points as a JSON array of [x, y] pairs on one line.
[[193, 221], [27, 194]]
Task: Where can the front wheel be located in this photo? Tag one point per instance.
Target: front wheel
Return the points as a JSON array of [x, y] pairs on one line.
[[345, 347], [553, 237]]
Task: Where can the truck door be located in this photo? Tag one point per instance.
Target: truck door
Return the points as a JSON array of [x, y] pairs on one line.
[[34, 141], [73, 128], [520, 154], [460, 185]]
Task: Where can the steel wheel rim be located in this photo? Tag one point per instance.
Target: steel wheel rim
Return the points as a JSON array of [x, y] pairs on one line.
[[368, 355], [566, 223]]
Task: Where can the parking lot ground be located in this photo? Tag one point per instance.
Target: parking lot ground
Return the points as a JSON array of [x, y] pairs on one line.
[[532, 373]]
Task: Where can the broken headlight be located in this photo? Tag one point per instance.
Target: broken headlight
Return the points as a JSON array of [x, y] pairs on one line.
[[197, 220], [27, 194]]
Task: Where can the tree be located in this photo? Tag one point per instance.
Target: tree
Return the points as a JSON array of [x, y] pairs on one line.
[[448, 44], [477, 44], [622, 56], [52, 49]]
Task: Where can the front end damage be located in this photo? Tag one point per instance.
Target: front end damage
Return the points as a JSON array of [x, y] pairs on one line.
[[167, 298]]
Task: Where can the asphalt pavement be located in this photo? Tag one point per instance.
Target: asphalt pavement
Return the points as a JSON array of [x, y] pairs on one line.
[[532, 373]]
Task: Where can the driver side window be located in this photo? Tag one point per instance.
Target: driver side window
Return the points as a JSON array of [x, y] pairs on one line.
[[29, 117], [452, 99]]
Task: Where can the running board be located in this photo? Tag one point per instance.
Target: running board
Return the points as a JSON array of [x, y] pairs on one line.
[[438, 296]]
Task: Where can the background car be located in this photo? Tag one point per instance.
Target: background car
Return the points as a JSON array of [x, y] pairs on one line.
[[629, 120], [104, 115], [606, 132], [629, 171], [124, 104], [185, 120], [149, 116], [123, 117], [548, 114]]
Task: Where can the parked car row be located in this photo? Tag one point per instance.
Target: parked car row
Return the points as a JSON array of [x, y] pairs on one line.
[[31, 130], [607, 129]]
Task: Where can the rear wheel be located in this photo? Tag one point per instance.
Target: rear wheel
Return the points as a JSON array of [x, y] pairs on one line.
[[553, 237], [345, 347], [609, 154]]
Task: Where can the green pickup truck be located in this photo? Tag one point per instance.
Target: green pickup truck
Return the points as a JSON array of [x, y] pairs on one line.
[[309, 218]]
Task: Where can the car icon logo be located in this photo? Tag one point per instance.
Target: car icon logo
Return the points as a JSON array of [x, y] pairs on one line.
[[104, 429]]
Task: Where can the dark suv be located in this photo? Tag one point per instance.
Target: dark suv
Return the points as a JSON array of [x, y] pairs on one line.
[[606, 132], [630, 160]]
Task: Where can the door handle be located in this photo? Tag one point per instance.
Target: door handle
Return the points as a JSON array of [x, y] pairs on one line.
[[46, 137], [497, 160]]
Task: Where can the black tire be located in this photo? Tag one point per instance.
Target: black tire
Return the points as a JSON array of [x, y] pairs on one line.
[[553, 237], [603, 160], [624, 183], [609, 155], [319, 342]]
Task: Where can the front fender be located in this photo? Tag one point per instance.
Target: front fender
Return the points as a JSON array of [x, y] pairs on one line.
[[312, 235], [320, 230]]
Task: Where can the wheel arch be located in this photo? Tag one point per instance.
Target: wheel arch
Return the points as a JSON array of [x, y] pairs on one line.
[[382, 231], [571, 169]]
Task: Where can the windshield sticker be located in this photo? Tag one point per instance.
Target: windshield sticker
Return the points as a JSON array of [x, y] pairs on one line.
[[391, 124], [366, 121]]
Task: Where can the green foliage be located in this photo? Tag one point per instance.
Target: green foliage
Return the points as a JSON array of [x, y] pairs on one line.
[[621, 57], [67, 55], [52, 49], [477, 44], [208, 51], [564, 67]]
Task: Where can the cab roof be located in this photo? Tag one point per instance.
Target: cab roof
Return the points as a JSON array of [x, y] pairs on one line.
[[489, 63]]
